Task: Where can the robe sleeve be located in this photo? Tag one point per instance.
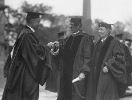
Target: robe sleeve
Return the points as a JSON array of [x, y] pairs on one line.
[[87, 52], [37, 58], [117, 63], [7, 66]]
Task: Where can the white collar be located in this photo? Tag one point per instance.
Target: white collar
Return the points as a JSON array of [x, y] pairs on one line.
[[103, 39], [76, 32], [31, 28]]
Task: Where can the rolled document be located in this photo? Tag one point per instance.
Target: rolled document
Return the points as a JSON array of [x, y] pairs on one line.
[[75, 80]]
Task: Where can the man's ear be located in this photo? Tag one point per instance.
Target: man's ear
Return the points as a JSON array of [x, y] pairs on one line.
[[109, 30], [80, 25], [31, 21]]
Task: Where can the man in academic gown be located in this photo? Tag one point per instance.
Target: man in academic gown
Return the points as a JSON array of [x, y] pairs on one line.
[[128, 58], [53, 81], [107, 67], [28, 64], [128, 61], [76, 56], [59, 63]]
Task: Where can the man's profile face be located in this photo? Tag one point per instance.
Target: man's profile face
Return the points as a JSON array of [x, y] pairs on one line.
[[36, 23], [74, 28], [103, 32]]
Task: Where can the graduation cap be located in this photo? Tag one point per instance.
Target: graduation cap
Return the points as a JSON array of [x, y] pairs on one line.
[[103, 24], [76, 19], [32, 15], [3, 7], [19, 14], [9, 25], [60, 34], [119, 36], [129, 40], [92, 37]]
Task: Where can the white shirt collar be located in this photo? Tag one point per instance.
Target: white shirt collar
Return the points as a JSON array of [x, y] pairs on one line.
[[103, 39], [76, 32], [121, 41], [31, 28]]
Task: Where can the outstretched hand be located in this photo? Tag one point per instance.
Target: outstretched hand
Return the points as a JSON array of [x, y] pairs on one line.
[[50, 44], [105, 69], [56, 43]]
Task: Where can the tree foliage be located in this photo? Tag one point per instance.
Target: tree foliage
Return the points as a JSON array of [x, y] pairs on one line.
[[45, 34]]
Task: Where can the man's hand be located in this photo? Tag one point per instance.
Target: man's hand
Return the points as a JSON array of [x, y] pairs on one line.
[[81, 76], [105, 69], [50, 44], [54, 46], [56, 43]]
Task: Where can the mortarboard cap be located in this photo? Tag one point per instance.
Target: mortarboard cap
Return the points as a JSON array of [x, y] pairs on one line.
[[9, 25], [129, 40], [76, 19], [3, 7], [92, 37], [103, 24], [60, 34], [119, 36], [33, 15]]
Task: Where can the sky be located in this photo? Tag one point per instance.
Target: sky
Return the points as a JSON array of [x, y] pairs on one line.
[[109, 11]]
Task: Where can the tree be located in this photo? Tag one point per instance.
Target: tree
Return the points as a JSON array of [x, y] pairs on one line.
[[47, 33], [120, 28], [128, 23], [17, 18]]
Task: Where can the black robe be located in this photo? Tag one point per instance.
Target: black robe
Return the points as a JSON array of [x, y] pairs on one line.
[[76, 57], [104, 86], [128, 59], [53, 81], [29, 67]]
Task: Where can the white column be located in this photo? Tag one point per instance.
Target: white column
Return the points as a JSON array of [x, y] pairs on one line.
[[2, 2], [87, 16], [87, 9]]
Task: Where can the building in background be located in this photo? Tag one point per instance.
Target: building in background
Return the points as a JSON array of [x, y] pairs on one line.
[[2, 1]]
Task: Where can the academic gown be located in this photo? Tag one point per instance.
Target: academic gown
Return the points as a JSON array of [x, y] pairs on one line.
[[76, 57], [53, 81], [29, 67], [104, 86], [128, 59]]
